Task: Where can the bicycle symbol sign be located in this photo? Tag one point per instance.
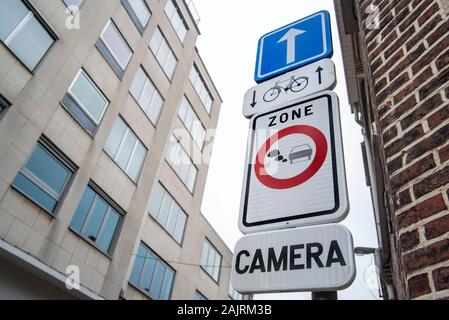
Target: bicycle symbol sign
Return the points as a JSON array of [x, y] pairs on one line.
[[316, 77]]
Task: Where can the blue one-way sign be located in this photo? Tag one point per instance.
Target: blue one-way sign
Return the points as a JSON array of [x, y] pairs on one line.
[[293, 46]]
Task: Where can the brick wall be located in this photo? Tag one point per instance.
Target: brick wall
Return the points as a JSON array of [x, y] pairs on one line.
[[408, 62]]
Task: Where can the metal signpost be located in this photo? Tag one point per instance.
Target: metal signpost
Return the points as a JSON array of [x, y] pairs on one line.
[[316, 77], [294, 179]]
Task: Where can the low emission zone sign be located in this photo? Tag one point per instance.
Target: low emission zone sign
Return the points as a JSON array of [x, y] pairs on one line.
[[319, 258], [294, 173]]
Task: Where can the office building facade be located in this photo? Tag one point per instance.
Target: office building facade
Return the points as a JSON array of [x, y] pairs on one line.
[[105, 134]]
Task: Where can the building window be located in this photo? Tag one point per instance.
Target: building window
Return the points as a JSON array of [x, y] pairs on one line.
[[165, 210], [139, 12], [85, 102], [21, 29], [181, 163], [75, 3], [163, 53], [177, 21], [45, 176], [147, 96], [114, 48], [234, 295], [151, 275], [192, 122], [4, 104], [126, 149], [201, 89], [198, 296], [211, 260], [97, 219]]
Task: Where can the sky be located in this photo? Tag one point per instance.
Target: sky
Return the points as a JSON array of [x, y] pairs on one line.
[[228, 43]]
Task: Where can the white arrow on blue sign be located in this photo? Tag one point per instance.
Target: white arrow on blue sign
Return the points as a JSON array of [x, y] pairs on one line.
[[295, 45]]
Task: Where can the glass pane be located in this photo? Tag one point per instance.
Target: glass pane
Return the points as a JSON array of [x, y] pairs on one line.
[[115, 137], [165, 210], [217, 264], [141, 11], [33, 35], [124, 154], [109, 231], [205, 254], [155, 108], [156, 41], [172, 218], [74, 2], [163, 53], [191, 179], [189, 119], [210, 261], [89, 96], [138, 84], [136, 162], [11, 13], [156, 200], [180, 227], [167, 284], [83, 209], [182, 32], [158, 278], [35, 193], [138, 265], [48, 169], [170, 8], [184, 171], [96, 219], [147, 275], [170, 65], [146, 96], [116, 44], [183, 109]]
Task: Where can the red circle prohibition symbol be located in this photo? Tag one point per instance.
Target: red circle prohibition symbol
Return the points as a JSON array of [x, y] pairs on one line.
[[281, 184]]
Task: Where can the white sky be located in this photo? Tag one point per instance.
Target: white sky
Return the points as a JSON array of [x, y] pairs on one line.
[[230, 32]]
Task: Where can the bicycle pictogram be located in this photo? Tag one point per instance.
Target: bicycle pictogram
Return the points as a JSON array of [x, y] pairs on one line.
[[294, 84]]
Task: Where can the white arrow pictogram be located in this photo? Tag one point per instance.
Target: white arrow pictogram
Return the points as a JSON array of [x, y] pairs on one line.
[[290, 37]]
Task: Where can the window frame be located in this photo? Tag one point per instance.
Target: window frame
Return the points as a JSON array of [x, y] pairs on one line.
[[157, 258], [206, 87], [217, 281], [132, 14], [192, 192], [4, 105], [79, 7], [35, 13], [154, 124], [83, 108], [111, 204], [114, 158], [198, 293], [53, 151], [181, 16], [188, 130], [170, 50], [180, 207]]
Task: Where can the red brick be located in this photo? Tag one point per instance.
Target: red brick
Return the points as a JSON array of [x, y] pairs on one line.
[[419, 286], [401, 5], [402, 199], [422, 111], [440, 79], [430, 255], [437, 118], [441, 278], [421, 211], [402, 143], [431, 183], [398, 111], [384, 108], [390, 134], [415, 14], [443, 61], [392, 87], [428, 14], [382, 46], [438, 33], [437, 227], [380, 84], [388, 64], [447, 92], [394, 165], [415, 84], [421, 35], [435, 140], [409, 240], [412, 172], [393, 24], [444, 154], [376, 64], [402, 39], [411, 58], [431, 55]]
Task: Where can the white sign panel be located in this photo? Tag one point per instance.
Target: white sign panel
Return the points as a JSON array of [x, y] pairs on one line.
[[319, 258], [316, 77], [294, 172]]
